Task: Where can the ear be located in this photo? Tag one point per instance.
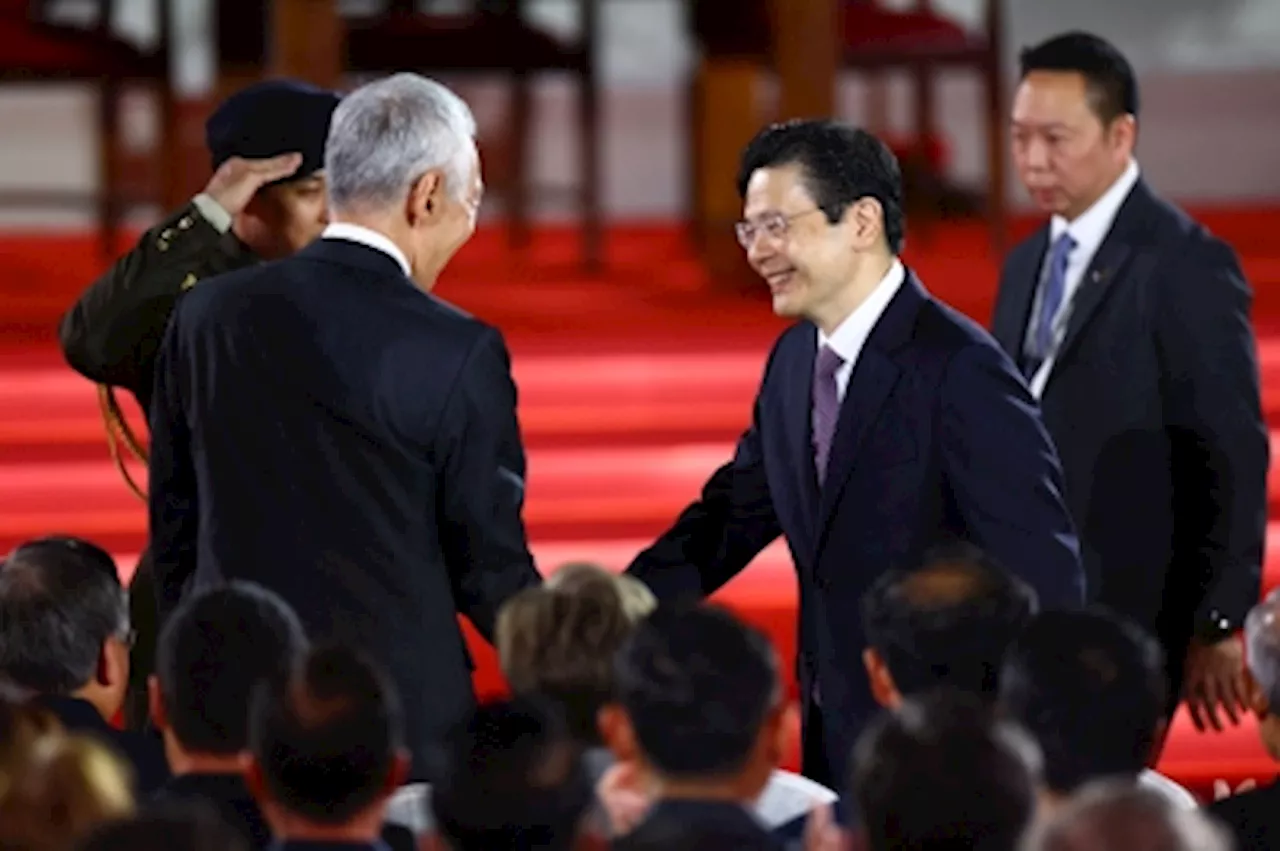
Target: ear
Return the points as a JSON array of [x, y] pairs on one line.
[[866, 219], [1124, 133], [155, 704], [883, 688], [256, 783], [616, 731], [113, 663], [779, 726], [423, 202], [399, 772]]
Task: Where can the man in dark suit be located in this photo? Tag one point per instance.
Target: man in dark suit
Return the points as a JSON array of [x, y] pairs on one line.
[[327, 428], [1131, 323], [886, 424], [265, 200]]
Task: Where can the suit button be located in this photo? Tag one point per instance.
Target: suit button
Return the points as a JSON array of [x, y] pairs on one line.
[[188, 282], [184, 223]]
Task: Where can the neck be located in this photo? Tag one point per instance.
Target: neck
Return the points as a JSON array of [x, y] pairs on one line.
[[421, 263], [365, 828], [1080, 209], [738, 790], [95, 698], [851, 296], [182, 761]]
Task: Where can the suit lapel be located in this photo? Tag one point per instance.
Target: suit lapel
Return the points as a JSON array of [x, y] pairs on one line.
[[798, 418], [1107, 266], [874, 375], [1022, 280]]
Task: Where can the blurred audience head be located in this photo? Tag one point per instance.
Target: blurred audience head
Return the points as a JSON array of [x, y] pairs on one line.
[[214, 649], [1262, 638], [559, 641], [327, 746], [1090, 686], [700, 703], [69, 784], [1112, 815], [822, 214], [944, 772], [269, 119], [64, 623], [1074, 121], [402, 159], [637, 600], [187, 826], [946, 623], [511, 777]]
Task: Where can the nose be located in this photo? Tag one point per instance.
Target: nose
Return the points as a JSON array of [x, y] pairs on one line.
[[761, 247], [1036, 154]]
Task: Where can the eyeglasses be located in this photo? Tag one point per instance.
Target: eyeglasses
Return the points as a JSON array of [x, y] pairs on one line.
[[774, 225]]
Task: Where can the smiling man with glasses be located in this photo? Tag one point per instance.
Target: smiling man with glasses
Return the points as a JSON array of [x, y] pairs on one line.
[[886, 424]]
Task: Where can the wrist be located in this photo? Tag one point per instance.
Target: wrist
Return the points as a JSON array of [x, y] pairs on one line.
[[213, 212], [1214, 626]]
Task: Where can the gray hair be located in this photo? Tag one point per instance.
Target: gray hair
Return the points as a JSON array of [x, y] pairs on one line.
[[59, 601], [1118, 815], [1262, 639], [387, 134]]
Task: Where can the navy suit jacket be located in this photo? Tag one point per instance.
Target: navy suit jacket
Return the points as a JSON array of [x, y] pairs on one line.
[[324, 428], [1154, 404], [938, 440]]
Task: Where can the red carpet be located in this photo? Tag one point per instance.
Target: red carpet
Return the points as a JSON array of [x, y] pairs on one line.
[[633, 388]]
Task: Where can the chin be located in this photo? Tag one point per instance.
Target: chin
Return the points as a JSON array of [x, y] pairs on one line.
[[787, 306]]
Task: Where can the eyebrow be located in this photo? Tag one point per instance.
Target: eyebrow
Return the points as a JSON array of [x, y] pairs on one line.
[[1031, 125]]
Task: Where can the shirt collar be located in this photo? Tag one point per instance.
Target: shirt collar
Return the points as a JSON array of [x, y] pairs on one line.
[[369, 237], [1091, 227], [850, 335]]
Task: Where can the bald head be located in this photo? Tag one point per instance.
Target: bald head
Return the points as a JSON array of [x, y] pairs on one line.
[[947, 622], [1262, 634], [1118, 816]]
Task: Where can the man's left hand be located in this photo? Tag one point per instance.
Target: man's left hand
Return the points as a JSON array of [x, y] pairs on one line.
[[1215, 678]]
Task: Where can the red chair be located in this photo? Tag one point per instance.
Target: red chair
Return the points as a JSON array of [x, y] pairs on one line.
[[34, 49]]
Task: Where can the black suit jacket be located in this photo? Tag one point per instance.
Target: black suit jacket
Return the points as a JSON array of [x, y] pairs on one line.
[[1154, 405], [674, 825], [143, 752], [324, 428], [938, 439], [1253, 817]]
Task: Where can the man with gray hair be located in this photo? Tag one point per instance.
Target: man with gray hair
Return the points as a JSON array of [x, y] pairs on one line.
[[327, 428], [1114, 815], [65, 641], [1253, 815]]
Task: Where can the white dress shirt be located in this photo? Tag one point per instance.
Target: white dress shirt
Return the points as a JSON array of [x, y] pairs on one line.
[[1088, 230], [370, 238], [851, 335]]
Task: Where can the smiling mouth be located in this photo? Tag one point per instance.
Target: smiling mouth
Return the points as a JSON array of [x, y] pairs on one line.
[[779, 280]]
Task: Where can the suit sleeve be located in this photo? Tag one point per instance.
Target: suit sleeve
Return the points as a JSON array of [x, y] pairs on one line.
[[110, 335], [483, 486], [1219, 440], [719, 533], [1004, 475], [173, 505]]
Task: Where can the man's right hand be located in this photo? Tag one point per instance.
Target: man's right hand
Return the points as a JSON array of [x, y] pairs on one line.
[[234, 183]]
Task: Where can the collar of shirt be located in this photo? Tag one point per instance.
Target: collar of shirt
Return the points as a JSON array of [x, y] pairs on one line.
[[851, 335], [1091, 226], [368, 237]]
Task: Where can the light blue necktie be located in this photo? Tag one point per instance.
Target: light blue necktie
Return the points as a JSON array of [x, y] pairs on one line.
[[1051, 294]]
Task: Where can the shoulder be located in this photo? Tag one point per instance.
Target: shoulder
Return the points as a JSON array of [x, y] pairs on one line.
[[1184, 242], [1027, 251], [942, 333]]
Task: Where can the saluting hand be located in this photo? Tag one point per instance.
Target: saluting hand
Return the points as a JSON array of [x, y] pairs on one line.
[[234, 183]]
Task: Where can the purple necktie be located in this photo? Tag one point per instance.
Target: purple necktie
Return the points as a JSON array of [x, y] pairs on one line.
[[826, 407]]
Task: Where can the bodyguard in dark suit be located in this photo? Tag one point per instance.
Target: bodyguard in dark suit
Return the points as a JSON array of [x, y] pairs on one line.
[[886, 423], [1131, 323], [327, 428], [266, 199]]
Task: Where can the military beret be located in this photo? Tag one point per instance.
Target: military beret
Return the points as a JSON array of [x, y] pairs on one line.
[[270, 118]]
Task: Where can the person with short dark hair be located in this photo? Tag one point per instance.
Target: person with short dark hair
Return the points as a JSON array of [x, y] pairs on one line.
[[1090, 686], [327, 747], [1130, 322], [944, 772], [215, 649], [700, 709], [886, 424], [946, 623], [65, 638], [511, 778]]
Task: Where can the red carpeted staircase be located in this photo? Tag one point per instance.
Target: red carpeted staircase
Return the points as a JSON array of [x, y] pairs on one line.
[[633, 389]]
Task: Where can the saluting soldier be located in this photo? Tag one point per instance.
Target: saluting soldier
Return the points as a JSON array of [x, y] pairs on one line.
[[265, 200]]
